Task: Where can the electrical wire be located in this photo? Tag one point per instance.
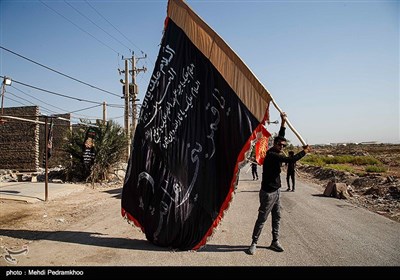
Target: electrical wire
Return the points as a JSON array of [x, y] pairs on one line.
[[58, 94], [14, 100], [51, 111], [61, 109], [113, 26], [58, 72], [83, 109], [79, 12], [38, 99], [77, 26]]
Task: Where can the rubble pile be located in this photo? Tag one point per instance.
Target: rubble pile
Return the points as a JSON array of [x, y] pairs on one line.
[[377, 193]]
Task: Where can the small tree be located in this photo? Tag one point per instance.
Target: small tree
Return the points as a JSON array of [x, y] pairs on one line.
[[109, 146], [76, 171]]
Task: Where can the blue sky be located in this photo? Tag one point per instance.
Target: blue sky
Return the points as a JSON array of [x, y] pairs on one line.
[[332, 66]]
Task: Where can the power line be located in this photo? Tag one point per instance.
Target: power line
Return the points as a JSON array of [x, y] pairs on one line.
[[112, 25], [110, 105], [41, 107], [55, 93], [86, 117], [97, 25], [39, 100], [115, 106], [116, 29], [40, 122], [84, 109], [116, 117], [20, 98], [59, 94], [58, 72], [77, 26], [14, 100], [47, 109]]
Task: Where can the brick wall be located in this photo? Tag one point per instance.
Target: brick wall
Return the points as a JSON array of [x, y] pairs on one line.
[[22, 143], [19, 140], [60, 130]]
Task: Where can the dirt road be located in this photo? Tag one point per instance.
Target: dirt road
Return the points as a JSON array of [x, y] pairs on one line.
[[86, 229]]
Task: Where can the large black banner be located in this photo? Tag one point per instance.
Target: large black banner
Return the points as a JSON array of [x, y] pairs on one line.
[[192, 133]]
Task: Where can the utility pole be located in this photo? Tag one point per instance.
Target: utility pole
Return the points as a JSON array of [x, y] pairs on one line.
[[6, 82], [135, 92], [46, 166], [126, 114], [130, 94], [3, 89], [104, 112]]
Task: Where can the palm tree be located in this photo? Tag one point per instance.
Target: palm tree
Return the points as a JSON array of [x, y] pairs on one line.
[[109, 146]]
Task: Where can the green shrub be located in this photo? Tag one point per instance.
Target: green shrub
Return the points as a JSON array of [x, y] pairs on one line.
[[340, 167], [375, 168], [110, 144], [343, 159], [314, 160], [366, 160]]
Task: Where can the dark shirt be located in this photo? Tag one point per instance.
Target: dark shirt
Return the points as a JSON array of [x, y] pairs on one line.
[[271, 180], [291, 166]]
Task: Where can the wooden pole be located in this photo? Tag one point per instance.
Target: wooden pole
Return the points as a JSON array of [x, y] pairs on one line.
[[127, 130], [3, 89], [46, 150], [104, 112], [134, 96], [289, 124]]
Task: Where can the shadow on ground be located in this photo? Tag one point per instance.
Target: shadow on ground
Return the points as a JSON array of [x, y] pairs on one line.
[[86, 238]]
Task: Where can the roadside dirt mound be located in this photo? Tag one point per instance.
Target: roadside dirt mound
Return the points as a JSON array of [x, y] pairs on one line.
[[377, 193]]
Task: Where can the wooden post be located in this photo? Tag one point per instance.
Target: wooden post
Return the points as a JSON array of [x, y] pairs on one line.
[[3, 89], [46, 150], [126, 116], [134, 96], [289, 124], [104, 113]]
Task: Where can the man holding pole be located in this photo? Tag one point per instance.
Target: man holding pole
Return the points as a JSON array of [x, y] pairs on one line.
[[270, 188]]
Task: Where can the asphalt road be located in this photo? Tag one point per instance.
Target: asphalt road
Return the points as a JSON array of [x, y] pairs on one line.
[[315, 231]]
